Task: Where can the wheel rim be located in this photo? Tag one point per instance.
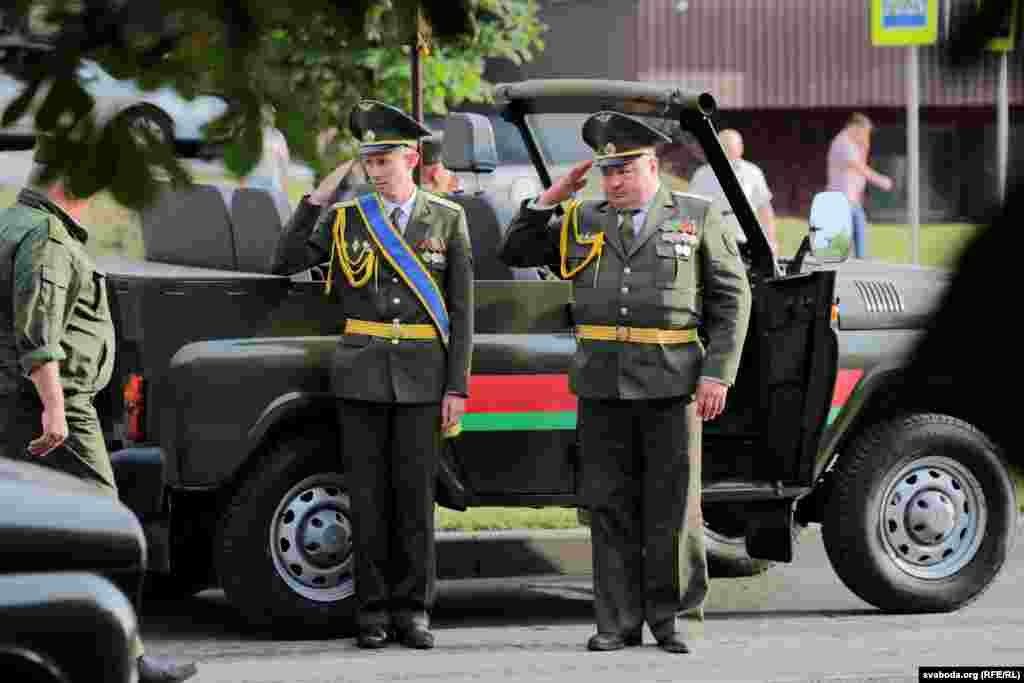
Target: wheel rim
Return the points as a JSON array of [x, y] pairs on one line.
[[311, 539], [933, 517]]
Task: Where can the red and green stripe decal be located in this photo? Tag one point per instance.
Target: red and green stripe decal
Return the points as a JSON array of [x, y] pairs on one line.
[[509, 403], [845, 384], [505, 403]]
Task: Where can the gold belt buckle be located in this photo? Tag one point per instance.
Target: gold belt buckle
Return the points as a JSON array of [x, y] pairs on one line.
[[621, 333], [396, 331]]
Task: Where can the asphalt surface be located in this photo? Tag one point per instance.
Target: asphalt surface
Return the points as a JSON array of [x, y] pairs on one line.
[[795, 623]]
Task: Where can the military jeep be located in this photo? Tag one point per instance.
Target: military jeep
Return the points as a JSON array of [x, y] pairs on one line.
[[226, 445]]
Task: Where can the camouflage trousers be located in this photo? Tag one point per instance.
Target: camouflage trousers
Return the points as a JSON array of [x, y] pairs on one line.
[[641, 482], [82, 455]]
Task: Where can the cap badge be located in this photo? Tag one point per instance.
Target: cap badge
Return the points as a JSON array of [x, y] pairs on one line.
[[369, 136], [603, 118], [609, 148]]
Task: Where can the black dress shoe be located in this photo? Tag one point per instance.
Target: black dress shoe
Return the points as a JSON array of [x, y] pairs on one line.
[[160, 670], [417, 637], [674, 644], [606, 642], [372, 638]]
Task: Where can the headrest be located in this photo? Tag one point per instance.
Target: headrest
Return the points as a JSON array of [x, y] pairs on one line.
[[469, 143]]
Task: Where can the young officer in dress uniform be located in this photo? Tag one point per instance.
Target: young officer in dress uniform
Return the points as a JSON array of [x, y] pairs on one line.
[[401, 271], [649, 268]]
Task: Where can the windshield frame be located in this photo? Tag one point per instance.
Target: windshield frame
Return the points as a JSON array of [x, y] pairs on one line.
[[693, 111]]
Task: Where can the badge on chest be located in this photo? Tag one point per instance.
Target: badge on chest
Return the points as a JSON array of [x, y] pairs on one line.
[[682, 235], [433, 251]]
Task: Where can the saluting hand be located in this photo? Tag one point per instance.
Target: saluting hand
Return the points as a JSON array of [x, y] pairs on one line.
[[55, 431], [710, 399], [563, 188]]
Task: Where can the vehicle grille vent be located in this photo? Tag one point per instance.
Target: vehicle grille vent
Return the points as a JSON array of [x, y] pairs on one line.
[[879, 296]]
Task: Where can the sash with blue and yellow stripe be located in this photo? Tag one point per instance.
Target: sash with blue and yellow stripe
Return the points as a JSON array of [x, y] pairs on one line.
[[395, 249]]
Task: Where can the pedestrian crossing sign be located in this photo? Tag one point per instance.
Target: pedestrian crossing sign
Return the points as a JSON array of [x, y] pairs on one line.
[[904, 22]]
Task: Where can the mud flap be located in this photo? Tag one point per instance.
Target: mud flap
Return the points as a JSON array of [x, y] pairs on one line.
[[770, 530]]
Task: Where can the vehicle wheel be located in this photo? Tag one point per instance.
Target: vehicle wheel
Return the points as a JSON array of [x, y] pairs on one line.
[[285, 545], [726, 544], [922, 515]]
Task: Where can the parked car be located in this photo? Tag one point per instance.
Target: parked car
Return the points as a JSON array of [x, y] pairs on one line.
[[69, 560], [224, 441]]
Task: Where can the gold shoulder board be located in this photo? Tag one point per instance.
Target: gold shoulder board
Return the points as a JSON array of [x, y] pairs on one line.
[[431, 197]]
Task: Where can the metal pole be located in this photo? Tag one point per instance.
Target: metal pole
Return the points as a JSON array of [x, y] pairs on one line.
[[1003, 126], [417, 87], [913, 154]]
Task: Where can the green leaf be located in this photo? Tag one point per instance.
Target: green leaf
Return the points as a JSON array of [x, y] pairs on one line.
[[19, 105], [244, 152], [65, 104]]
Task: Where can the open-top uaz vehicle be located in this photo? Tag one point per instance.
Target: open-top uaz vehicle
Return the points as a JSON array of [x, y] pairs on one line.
[[227, 447]]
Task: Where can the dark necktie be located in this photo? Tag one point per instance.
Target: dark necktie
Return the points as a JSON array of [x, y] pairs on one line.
[[396, 215], [627, 228]]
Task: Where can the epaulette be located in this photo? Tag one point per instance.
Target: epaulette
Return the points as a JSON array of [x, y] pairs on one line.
[[342, 205], [56, 229], [441, 201], [687, 195]]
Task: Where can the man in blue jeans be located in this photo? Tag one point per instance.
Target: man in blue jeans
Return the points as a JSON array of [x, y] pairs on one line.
[[849, 173]]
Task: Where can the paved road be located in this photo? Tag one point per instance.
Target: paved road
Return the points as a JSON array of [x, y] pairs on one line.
[[795, 623]]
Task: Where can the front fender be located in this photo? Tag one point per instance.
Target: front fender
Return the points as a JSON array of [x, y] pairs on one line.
[[225, 395], [869, 387]]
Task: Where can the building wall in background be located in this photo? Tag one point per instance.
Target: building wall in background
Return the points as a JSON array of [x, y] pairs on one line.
[[787, 74]]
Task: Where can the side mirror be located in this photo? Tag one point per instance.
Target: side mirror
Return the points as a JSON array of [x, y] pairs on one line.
[[830, 227], [469, 144]]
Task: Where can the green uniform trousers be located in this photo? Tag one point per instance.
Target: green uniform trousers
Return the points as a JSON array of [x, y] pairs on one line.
[[83, 454], [641, 481], [391, 454]]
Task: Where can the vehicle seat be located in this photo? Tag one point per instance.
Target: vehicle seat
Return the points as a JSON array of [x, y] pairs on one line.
[[469, 147], [257, 219], [190, 226]]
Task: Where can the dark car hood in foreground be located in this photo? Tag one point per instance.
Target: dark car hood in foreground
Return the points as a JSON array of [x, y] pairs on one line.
[[53, 522]]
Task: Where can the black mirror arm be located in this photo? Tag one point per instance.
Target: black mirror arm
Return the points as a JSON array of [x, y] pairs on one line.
[[798, 260]]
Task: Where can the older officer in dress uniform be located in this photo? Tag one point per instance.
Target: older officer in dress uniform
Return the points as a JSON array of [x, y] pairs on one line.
[[401, 271], [57, 349], [649, 268]]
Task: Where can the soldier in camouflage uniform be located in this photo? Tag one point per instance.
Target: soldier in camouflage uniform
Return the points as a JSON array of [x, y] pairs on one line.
[[57, 349], [401, 271], [649, 269]]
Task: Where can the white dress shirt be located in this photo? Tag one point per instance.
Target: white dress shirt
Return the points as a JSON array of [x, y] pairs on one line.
[[405, 208]]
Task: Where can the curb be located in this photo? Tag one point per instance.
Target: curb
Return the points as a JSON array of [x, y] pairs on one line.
[[514, 552]]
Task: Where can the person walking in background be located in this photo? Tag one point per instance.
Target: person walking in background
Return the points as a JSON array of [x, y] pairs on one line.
[[752, 180], [271, 172], [849, 173]]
